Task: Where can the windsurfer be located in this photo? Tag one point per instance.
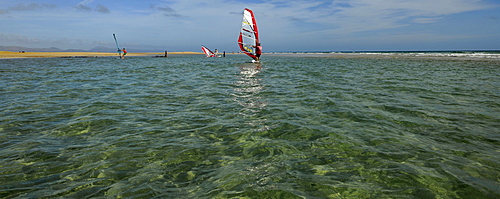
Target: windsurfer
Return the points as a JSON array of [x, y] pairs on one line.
[[249, 36], [124, 53], [258, 51]]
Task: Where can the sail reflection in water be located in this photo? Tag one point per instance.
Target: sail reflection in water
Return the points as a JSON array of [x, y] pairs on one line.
[[246, 93]]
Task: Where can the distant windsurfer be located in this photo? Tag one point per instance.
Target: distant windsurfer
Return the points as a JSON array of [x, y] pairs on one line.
[[124, 53]]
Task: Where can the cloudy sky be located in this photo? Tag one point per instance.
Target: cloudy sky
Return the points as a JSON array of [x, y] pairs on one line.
[[285, 25]]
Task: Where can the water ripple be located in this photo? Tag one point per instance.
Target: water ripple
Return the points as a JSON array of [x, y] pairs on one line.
[[293, 127]]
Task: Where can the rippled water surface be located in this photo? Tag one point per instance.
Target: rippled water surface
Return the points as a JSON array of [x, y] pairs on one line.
[[293, 127]]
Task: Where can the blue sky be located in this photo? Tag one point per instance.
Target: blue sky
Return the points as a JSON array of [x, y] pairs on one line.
[[297, 25]]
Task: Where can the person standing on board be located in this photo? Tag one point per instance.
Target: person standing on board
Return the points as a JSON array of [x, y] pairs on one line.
[[124, 53], [258, 51]]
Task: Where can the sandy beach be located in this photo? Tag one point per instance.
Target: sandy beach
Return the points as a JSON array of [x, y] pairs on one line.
[[443, 56], [11, 55]]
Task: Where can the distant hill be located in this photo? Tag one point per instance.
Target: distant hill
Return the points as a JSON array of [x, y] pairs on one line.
[[52, 49], [129, 49], [95, 49], [102, 49]]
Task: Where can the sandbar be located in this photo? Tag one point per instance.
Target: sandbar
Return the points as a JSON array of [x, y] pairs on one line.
[[440, 56]]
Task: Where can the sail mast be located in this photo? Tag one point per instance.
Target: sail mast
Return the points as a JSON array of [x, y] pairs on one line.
[[116, 42]]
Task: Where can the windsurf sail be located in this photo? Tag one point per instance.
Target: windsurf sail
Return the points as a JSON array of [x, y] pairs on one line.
[[249, 34], [116, 42], [207, 51]]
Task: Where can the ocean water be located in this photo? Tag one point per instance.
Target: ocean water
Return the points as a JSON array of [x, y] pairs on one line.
[[293, 127]]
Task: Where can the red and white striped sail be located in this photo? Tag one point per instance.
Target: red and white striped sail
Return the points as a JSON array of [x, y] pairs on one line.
[[249, 34], [207, 52]]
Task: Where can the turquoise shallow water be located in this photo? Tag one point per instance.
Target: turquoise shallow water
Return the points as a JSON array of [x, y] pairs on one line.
[[294, 127]]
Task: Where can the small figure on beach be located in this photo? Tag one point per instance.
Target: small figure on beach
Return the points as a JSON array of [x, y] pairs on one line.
[[124, 53], [216, 53]]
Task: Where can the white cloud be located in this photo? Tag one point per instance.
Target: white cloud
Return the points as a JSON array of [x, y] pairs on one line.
[[85, 6], [101, 9], [196, 22], [426, 19], [31, 7], [85, 2], [348, 16]]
